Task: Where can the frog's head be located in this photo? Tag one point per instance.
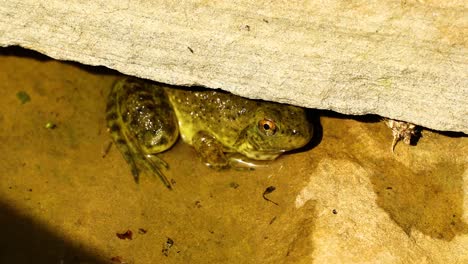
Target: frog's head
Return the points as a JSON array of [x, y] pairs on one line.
[[275, 129]]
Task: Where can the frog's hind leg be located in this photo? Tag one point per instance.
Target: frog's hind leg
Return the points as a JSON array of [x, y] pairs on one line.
[[128, 156], [124, 147], [137, 157], [154, 164], [117, 135]]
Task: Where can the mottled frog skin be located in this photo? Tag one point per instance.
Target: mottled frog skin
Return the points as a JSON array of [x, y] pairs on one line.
[[145, 118]]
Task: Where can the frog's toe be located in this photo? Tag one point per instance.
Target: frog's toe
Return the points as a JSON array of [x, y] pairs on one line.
[[159, 162], [133, 166], [155, 164], [135, 173]]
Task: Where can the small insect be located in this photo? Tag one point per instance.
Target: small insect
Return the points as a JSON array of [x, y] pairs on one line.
[[401, 131]]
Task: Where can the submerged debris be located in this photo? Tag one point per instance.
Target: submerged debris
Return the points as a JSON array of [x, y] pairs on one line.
[[269, 190], [23, 97], [272, 220], [127, 235], [401, 130], [50, 125], [118, 259], [169, 243]]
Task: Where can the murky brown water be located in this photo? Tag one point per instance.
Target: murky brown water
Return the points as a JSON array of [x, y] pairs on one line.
[[61, 199]]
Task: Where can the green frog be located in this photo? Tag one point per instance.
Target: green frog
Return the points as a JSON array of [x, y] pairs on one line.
[[145, 118]]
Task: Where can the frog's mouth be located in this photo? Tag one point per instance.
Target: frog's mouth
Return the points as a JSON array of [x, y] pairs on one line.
[[264, 154], [254, 145]]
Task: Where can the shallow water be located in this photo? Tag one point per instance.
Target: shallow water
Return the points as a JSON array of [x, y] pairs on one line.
[[63, 199]]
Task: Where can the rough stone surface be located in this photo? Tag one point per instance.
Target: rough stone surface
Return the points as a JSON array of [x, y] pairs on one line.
[[404, 60]]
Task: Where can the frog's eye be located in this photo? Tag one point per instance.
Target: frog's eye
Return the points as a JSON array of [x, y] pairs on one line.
[[267, 126]]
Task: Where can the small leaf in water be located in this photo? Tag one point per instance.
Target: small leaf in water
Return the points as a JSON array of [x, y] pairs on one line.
[[50, 125], [23, 97]]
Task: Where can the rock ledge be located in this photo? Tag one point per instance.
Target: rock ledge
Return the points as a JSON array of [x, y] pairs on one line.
[[404, 60]]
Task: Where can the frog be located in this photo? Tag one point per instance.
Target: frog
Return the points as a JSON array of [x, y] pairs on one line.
[[146, 118]]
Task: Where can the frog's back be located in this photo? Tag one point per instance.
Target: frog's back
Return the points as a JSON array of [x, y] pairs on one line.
[[220, 113]]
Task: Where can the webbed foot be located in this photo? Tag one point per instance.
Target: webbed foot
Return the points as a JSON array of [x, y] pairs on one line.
[[154, 164]]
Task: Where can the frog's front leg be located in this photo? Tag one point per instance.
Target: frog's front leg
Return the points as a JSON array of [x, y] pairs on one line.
[[211, 151]]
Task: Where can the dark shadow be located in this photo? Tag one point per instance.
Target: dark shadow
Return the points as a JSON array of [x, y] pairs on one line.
[[368, 118], [313, 116], [417, 136], [449, 133], [371, 118], [18, 51], [25, 241]]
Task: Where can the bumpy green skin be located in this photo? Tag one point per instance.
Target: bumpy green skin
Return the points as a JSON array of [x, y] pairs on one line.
[[144, 119], [141, 123], [233, 123]]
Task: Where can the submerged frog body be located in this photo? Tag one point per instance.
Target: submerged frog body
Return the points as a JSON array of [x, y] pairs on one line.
[[145, 119]]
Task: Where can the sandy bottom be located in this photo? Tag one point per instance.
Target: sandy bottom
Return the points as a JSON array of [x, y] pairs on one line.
[[63, 201]]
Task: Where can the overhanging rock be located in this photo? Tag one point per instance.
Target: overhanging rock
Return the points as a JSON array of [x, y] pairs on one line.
[[404, 60]]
